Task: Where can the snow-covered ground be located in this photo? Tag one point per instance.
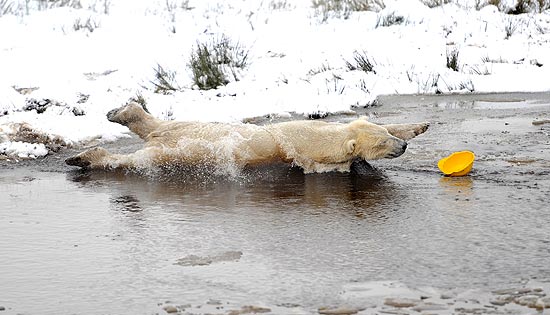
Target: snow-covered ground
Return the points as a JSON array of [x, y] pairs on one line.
[[63, 68]]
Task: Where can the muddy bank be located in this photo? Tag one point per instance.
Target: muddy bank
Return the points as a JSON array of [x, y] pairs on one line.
[[401, 240]]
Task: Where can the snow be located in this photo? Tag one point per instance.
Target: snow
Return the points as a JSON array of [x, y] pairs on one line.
[[92, 59]]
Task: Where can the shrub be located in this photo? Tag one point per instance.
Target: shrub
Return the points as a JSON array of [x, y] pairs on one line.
[[360, 62], [165, 81], [527, 6], [496, 3], [452, 59], [211, 63], [542, 5], [207, 73]]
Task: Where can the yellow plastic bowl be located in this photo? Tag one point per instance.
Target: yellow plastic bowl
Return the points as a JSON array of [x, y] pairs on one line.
[[457, 164]]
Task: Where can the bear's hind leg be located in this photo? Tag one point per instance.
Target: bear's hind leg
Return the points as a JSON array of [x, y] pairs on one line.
[[135, 118], [407, 131]]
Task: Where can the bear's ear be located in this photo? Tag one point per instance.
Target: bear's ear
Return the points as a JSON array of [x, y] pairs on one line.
[[350, 146]]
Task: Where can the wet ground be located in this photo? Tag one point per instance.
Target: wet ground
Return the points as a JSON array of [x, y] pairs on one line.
[[401, 239]]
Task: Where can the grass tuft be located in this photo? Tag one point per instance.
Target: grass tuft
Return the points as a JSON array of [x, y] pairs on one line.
[[89, 24], [50, 4], [390, 19], [479, 70], [6, 7], [165, 81], [344, 8], [452, 59], [279, 5], [435, 3], [360, 62], [138, 98], [323, 68], [212, 63], [510, 27]]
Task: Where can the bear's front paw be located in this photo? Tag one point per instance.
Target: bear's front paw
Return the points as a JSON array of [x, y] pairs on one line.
[[77, 161], [87, 158]]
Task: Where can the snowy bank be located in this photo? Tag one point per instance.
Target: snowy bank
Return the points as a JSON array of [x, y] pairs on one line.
[[63, 68]]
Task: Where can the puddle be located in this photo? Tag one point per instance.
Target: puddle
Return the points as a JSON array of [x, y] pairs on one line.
[[512, 125], [500, 105], [123, 244], [507, 105], [281, 242]]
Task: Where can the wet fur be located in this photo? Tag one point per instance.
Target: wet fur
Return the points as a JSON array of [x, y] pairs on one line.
[[316, 146]]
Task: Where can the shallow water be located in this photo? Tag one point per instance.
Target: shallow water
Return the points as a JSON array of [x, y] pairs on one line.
[[99, 243], [76, 242]]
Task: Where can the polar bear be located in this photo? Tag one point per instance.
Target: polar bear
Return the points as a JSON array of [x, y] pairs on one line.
[[315, 146]]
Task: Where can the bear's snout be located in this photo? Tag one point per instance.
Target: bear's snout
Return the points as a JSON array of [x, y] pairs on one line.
[[399, 149]]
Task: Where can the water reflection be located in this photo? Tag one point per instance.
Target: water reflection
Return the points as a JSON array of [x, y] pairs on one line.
[[126, 203], [457, 185], [455, 104], [361, 193]]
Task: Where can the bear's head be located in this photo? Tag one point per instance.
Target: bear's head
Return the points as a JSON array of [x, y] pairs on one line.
[[371, 142]]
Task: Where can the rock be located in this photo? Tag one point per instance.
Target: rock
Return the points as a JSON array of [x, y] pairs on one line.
[[339, 311], [170, 309], [498, 302], [475, 310], [289, 305], [527, 300], [395, 311], [401, 302], [447, 296], [249, 309], [502, 300], [429, 307], [543, 303], [513, 291], [194, 260]]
